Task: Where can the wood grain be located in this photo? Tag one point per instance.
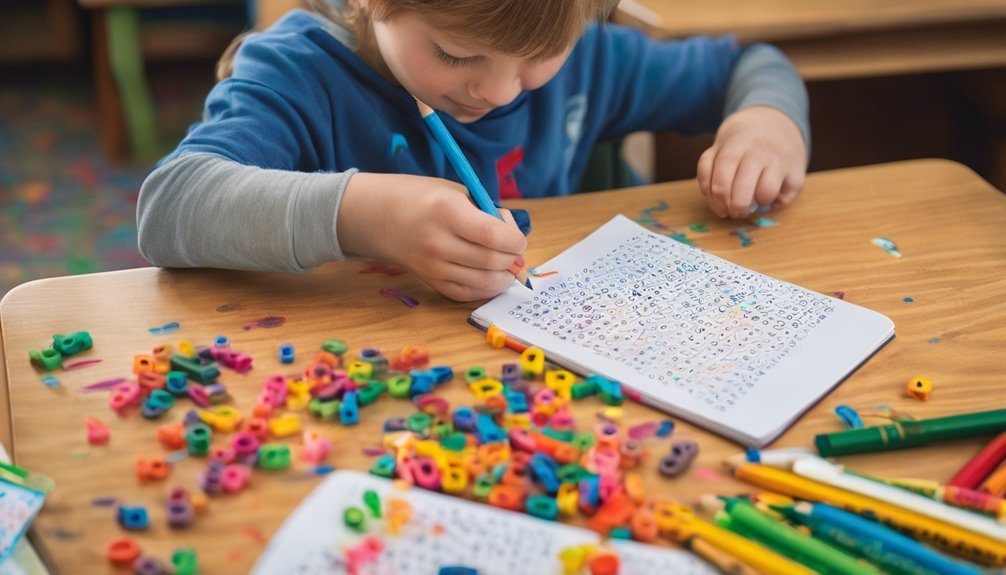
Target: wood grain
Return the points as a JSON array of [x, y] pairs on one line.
[[93, 4], [770, 20], [946, 220], [833, 40]]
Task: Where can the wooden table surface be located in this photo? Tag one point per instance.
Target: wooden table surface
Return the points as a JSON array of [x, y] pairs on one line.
[[948, 223], [842, 39]]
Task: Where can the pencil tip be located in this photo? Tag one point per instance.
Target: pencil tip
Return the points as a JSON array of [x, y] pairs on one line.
[[424, 110], [527, 283]]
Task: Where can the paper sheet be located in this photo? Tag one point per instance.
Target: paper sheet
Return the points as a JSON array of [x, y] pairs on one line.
[[724, 346]]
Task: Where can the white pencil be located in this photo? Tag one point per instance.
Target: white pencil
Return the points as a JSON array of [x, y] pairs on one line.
[[831, 474], [782, 457]]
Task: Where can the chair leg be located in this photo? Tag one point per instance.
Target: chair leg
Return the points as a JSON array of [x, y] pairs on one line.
[[125, 56], [114, 142]]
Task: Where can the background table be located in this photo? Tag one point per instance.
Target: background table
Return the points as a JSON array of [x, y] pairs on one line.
[[888, 80], [947, 222], [829, 40]]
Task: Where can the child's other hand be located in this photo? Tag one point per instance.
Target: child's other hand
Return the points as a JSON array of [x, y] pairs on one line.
[[430, 226], [759, 157]]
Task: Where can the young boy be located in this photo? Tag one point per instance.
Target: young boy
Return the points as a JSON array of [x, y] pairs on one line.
[[313, 149]]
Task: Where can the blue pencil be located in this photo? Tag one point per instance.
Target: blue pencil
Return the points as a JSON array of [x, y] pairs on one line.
[[882, 546], [461, 165]]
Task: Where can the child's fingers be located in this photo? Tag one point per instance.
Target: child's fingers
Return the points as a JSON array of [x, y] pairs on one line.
[[704, 170], [458, 292], [724, 169], [791, 186], [485, 230], [468, 254], [481, 282], [743, 190], [517, 268], [769, 186], [508, 218]]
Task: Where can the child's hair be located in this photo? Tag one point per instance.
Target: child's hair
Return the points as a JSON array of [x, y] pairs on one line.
[[524, 28]]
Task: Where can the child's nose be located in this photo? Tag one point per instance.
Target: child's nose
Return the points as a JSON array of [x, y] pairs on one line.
[[496, 89]]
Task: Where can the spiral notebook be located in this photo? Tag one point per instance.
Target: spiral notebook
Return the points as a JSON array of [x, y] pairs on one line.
[[443, 530], [725, 347]]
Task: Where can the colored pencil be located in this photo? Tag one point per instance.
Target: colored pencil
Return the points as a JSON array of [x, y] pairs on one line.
[[742, 516], [977, 501], [995, 484], [464, 169], [981, 465], [681, 523], [835, 475], [973, 546], [884, 547], [723, 561]]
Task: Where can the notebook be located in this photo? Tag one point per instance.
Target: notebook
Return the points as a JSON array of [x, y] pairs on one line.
[[444, 530], [727, 348]]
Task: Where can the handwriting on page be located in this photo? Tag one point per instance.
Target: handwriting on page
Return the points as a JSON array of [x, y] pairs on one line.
[[678, 317]]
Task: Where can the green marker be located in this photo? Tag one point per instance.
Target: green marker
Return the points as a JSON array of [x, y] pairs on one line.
[[905, 433], [25, 478], [745, 519]]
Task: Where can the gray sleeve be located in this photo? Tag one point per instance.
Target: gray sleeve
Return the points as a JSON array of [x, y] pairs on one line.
[[763, 76], [201, 210]]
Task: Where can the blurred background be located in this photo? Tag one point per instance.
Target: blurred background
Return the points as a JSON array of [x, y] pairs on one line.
[[93, 92]]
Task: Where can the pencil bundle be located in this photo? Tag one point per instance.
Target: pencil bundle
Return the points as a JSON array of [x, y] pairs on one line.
[[835, 520]]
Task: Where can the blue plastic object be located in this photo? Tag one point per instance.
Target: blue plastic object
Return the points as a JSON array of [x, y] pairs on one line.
[[133, 518]]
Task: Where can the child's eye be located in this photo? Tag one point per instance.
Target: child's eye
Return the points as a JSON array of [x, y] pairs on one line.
[[453, 60]]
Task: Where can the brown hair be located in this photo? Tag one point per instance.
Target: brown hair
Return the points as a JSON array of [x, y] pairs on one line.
[[524, 28]]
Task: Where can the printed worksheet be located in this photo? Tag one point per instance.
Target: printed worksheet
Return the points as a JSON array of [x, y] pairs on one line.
[[442, 531], [726, 347]]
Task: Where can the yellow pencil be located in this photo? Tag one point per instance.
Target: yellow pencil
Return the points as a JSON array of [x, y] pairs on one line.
[[681, 523], [721, 560], [973, 546]]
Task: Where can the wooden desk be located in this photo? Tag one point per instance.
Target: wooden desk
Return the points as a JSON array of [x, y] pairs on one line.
[[946, 220], [833, 40]]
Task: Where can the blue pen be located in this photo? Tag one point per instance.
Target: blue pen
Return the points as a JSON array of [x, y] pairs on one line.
[[882, 546], [461, 165]]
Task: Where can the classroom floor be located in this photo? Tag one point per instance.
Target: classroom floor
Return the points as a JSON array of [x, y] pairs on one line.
[[64, 209]]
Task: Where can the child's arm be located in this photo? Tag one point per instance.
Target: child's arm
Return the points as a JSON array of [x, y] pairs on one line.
[[202, 210], [753, 97], [761, 149], [257, 185]]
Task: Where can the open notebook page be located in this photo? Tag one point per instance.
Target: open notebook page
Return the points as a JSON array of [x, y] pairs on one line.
[[728, 348], [444, 530]]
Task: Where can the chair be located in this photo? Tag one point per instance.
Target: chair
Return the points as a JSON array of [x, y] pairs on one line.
[[122, 42]]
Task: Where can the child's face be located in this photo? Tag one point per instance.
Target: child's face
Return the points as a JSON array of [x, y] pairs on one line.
[[454, 75]]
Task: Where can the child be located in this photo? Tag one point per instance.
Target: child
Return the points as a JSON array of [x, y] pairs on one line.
[[313, 149]]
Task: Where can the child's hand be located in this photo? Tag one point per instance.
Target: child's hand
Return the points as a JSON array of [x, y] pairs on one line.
[[430, 226], [759, 157]]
